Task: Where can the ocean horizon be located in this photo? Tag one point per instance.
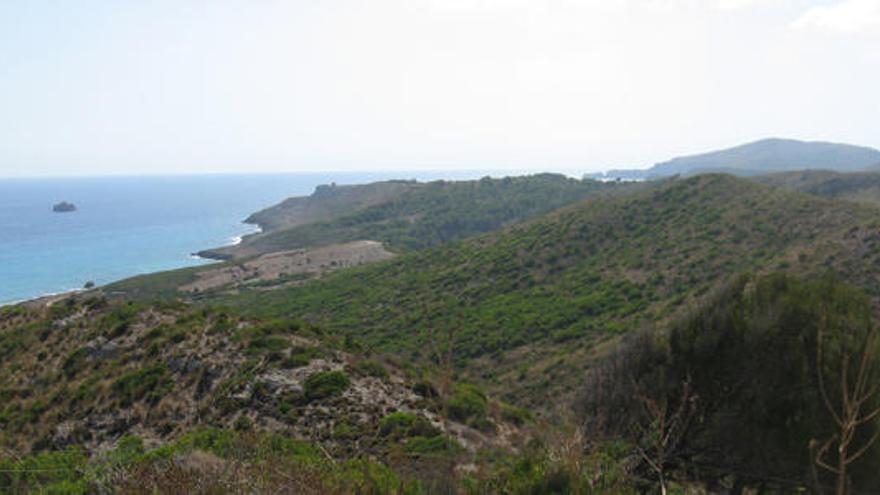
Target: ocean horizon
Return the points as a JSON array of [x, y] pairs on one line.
[[126, 226]]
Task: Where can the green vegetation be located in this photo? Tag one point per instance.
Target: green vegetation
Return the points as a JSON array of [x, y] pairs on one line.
[[859, 187], [203, 461], [154, 285], [403, 375], [467, 404], [403, 215], [369, 367], [438, 212], [62, 472], [580, 275], [328, 202], [428, 446], [326, 384], [516, 415], [301, 356], [734, 390], [402, 425], [149, 384], [211, 460]]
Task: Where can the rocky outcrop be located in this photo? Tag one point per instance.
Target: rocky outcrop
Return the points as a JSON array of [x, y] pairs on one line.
[[97, 371], [64, 207]]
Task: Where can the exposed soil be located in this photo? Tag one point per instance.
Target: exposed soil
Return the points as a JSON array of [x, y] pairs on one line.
[[297, 264]]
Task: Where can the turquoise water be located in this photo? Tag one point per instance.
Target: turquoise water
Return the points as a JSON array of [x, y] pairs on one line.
[[126, 226]]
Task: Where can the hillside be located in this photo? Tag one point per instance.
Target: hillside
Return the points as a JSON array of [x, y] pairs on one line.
[[89, 373], [416, 215], [528, 303], [327, 202], [399, 376], [763, 157], [863, 187]]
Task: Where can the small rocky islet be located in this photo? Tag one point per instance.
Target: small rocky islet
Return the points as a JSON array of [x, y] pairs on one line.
[[64, 207]]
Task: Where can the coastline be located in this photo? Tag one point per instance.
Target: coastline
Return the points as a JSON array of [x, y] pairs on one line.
[[132, 226], [221, 253], [257, 229], [47, 299], [51, 298]]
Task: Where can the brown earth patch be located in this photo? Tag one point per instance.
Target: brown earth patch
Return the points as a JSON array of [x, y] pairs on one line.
[[297, 264]]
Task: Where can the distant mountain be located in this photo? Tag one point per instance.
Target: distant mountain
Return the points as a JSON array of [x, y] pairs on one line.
[[761, 157]]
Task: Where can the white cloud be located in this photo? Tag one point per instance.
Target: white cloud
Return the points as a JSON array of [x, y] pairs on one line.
[[739, 4], [845, 17]]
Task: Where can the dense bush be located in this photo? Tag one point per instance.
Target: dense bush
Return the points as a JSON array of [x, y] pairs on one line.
[[733, 387], [466, 404]]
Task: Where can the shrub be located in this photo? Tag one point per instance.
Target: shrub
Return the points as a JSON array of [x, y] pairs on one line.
[[435, 445], [267, 343], [467, 404], [243, 423], [129, 450], [149, 384], [325, 384], [75, 362], [370, 368], [301, 356], [402, 424], [515, 415], [396, 421], [425, 389]]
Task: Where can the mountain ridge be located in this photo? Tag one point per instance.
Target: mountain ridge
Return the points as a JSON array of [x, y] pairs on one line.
[[760, 157]]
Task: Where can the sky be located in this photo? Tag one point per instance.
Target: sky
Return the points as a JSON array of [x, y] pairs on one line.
[[130, 87]]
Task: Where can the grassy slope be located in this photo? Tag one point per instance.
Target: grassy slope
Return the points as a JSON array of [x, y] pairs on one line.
[[528, 302]]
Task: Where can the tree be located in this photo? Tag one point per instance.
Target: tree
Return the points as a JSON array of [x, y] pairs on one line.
[[660, 441], [853, 357]]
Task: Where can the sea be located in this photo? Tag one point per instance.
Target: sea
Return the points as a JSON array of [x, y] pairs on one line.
[[125, 226]]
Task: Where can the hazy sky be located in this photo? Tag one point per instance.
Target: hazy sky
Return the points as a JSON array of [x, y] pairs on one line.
[[123, 87]]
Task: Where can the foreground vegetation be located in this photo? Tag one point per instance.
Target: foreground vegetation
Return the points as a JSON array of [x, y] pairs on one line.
[[739, 393], [772, 383], [224, 461]]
